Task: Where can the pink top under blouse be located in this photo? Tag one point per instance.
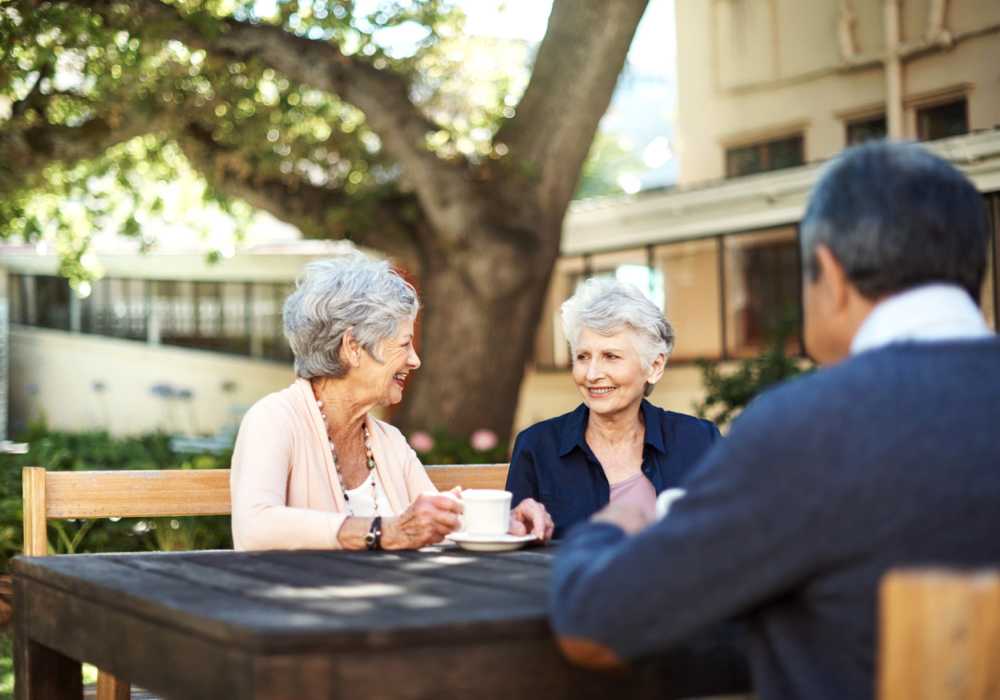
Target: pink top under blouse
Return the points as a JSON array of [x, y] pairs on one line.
[[636, 489]]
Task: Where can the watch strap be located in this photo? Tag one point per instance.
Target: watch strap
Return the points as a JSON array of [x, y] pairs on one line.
[[374, 537]]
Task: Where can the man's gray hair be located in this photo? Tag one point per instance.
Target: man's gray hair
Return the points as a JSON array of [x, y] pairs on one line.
[[605, 305], [348, 293], [896, 216]]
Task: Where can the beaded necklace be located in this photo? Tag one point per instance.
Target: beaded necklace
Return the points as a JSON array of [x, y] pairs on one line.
[[340, 477]]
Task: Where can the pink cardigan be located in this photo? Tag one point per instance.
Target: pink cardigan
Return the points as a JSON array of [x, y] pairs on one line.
[[285, 491]]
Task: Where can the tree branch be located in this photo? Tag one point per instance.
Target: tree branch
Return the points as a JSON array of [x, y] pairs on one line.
[[381, 94], [27, 148], [574, 77], [382, 223]]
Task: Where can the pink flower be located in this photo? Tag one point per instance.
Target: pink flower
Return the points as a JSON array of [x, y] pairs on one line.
[[483, 439], [421, 441]]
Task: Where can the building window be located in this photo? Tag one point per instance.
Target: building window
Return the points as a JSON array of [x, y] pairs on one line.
[[762, 287], [690, 271], [761, 157], [868, 129], [268, 336], [52, 302], [943, 120]]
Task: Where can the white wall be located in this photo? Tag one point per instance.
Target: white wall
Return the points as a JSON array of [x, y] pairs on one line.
[[61, 375], [54, 374]]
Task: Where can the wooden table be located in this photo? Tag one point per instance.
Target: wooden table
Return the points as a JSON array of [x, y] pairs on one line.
[[439, 623]]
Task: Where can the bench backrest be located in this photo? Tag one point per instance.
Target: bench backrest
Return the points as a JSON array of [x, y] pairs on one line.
[[939, 635], [168, 493]]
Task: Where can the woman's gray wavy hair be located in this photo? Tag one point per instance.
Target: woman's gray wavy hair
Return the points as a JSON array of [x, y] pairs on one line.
[[350, 292], [606, 306]]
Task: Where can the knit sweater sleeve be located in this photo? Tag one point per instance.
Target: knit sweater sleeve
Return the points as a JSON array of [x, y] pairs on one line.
[[743, 533]]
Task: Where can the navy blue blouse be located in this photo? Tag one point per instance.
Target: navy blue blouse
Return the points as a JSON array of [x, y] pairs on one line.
[[553, 463]]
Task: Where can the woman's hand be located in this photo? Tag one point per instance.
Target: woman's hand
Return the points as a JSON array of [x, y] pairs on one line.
[[628, 516], [428, 519], [531, 517]]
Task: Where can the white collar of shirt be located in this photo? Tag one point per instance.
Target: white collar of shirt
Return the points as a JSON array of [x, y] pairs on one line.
[[933, 312]]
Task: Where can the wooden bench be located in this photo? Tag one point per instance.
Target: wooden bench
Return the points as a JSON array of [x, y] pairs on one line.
[[939, 635], [165, 493]]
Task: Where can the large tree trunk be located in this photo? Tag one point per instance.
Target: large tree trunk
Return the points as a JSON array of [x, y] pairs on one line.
[[481, 309]]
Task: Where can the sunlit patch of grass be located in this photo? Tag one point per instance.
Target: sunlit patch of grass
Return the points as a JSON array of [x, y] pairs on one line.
[[6, 666]]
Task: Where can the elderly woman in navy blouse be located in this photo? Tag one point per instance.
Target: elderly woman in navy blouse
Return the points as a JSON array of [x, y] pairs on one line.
[[615, 445]]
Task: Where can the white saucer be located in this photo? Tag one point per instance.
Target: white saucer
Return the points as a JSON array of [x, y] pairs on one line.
[[489, 543]]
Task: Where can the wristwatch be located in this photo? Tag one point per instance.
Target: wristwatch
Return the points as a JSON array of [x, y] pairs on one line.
[[374, 537]]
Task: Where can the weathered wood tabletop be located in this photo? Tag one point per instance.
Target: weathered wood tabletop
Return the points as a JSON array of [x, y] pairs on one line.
[[438, 623]]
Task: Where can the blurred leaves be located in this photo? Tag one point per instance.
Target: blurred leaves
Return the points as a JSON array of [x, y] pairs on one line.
[[728, 391], [97, 450]]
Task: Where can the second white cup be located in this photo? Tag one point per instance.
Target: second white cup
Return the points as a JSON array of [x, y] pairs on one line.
[[486, 511]]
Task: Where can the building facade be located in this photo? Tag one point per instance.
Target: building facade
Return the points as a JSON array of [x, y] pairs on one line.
[[768, 90]]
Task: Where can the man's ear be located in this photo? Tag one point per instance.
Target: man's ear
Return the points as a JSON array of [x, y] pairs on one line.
[[350, 349], [832, 278]]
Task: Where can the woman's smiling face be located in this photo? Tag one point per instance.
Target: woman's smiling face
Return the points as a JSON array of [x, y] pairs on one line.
[[399, 358], [609, 371]]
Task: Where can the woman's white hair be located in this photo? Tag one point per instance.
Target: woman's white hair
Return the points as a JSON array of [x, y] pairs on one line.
[[350, 292], [606, 306]]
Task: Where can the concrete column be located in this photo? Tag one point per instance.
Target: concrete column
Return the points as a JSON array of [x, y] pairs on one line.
[[893, 72]]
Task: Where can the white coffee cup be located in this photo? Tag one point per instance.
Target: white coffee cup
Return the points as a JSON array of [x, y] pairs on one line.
[[666, 500], [485, 511]]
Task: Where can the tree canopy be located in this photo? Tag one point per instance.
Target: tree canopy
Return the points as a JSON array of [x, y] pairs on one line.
[[348, 119]]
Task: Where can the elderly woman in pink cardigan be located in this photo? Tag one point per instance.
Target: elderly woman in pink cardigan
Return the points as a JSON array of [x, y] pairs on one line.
[[312, 468]]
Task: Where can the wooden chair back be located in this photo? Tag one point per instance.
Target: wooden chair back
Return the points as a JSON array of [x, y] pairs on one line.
[[169, 493], [939, 635], [127, 494], [468, 476]]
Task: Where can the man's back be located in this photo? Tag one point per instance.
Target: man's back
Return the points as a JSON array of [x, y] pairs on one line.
[[887, 459]]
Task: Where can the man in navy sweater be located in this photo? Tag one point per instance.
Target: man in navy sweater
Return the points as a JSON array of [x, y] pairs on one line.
[[886, 457]]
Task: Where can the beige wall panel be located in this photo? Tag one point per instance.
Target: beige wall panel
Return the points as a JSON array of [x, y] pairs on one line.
[[54, 374], [808, 36], [913, 19], [744, 41], [970, 15], [869, 30], [975, 62], [816, 102]]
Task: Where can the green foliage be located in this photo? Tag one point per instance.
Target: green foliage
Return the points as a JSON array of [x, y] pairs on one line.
[[64, 66], [608, 159], [727, 392], [91, 450]]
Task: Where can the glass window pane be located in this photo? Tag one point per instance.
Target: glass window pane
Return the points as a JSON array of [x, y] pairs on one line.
[[52, 302], [775, 154], [173, 306], [942, 121], [17, 293], [208, 315], [863, 130], [235, 328], [690, 273], [762, 290], [268, 333], [550, 343], [785, 153]]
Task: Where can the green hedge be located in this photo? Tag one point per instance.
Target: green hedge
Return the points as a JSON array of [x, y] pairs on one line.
[[61, 451]]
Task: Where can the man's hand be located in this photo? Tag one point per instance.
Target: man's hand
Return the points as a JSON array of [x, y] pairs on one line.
[[628, 516]]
